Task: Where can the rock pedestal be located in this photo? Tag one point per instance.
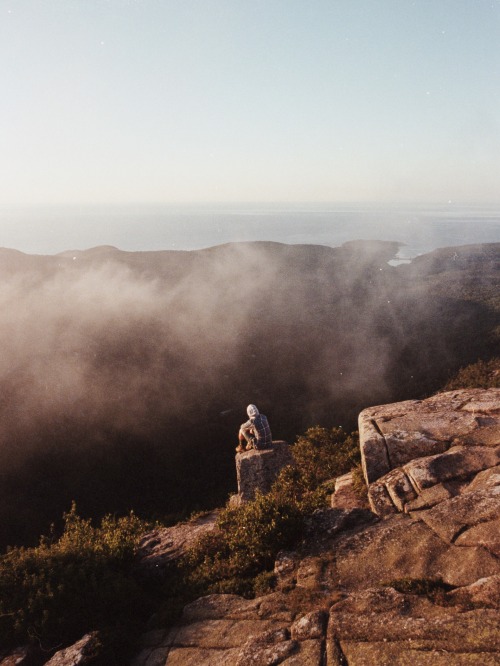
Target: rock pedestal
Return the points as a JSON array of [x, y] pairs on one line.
[[257, 470]]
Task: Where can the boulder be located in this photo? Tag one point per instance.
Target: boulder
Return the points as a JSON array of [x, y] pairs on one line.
[[257, 470], [82, 652], [395, 434], [161, 546]]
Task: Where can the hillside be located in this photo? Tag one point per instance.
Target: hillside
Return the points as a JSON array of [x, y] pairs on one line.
[[322, 569], [123, 373]]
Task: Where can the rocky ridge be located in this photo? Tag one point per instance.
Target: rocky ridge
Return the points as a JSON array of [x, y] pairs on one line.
[[414, 580]]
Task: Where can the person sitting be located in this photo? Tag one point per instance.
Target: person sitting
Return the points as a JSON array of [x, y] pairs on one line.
[[254, 433]]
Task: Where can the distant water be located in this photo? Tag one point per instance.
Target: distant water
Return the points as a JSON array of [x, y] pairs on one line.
[[419, 229]]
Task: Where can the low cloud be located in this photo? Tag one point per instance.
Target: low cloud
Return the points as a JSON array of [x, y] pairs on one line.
[[150, 348]]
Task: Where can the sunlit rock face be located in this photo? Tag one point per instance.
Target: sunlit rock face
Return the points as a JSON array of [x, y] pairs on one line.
[[257, 470], [413, 581], [417, 454], [166, 544], [433, 473]]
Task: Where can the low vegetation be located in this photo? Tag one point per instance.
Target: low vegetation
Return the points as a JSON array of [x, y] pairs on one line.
[[87, 579], [434, 589], [483, 374], [83, 580]]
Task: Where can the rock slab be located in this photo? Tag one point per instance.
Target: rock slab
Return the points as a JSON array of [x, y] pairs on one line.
[[256, 471], [433, 471], [398, 433], [227, 630], [161, 546], [81, 653]]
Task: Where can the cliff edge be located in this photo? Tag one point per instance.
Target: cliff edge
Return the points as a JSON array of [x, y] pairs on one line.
[[416, 580], [412, 580]]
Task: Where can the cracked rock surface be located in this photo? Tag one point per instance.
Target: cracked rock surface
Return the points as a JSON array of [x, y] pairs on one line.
[[413, 582]]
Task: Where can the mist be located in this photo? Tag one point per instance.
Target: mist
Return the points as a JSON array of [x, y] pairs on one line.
[[125, 376]]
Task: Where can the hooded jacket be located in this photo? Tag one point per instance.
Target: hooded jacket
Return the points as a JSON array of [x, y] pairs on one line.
[[259, 424]]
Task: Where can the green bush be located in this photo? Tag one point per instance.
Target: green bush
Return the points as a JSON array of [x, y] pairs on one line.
[[245, 543], [483, 374], [323, 454], [58, 591]]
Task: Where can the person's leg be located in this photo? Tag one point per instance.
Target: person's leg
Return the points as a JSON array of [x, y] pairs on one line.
[[242, 441], [246, 435], [251, 443]]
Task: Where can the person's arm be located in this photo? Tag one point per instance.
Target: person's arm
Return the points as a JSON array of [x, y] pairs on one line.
[[247, 426]]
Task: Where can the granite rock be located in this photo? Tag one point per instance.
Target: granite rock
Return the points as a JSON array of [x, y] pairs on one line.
[[433, 473], [256, 471], [395, 434], [161, 546], [82, 652]]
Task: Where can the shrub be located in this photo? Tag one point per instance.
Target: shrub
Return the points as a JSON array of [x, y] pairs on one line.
[[323, 454], [245, 543], [483, 374], [58, 591], [358, 483]]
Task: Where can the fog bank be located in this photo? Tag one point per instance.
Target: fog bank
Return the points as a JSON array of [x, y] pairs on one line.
[[124, 376]]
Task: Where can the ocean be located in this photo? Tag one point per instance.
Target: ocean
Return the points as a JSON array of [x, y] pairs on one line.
[[419, 228]]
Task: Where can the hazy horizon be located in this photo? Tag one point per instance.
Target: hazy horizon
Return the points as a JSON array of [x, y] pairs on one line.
[[419, 228]]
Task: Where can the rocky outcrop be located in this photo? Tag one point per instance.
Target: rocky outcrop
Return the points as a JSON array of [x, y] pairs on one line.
[[226, 630], [164, 545], [81, 653], [440, 511], [413, 582], [21, 656], [85, 651], [257, 470], [315, 619], [418, 455], [386, 627], [393, 435]]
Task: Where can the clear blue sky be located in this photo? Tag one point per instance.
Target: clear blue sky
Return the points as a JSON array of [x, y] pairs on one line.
[[117, 101]]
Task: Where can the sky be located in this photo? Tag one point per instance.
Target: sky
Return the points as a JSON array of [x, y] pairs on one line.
[[163, 101]]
